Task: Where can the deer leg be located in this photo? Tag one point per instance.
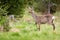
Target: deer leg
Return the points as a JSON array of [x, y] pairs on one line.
[[38, 27], [53, 26]]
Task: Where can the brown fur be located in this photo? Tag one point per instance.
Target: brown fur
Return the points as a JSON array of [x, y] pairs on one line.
[[43, 19]]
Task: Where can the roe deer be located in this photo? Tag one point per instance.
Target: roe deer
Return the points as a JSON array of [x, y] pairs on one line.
[[43, 19]]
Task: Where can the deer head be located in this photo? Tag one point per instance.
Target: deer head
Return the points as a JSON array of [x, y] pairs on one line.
[[31, 10]]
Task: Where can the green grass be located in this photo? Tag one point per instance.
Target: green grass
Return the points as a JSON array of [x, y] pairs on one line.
[[28, 31], [29, 35]]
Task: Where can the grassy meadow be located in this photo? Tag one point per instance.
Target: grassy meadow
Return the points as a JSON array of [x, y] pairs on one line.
[[28, 30]]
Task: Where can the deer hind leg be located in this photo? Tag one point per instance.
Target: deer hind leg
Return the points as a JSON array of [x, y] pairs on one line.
[[51, 22], [53, 26]]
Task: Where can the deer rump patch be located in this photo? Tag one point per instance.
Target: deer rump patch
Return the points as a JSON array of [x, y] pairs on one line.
[[53, 17]]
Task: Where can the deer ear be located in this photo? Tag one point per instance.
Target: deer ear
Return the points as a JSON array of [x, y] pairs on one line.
[[30, 8]]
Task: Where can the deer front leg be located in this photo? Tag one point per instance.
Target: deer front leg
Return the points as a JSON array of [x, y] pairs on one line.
[[38, 27]]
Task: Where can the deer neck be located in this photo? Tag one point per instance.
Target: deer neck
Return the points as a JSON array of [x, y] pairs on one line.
[[34, 15]]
